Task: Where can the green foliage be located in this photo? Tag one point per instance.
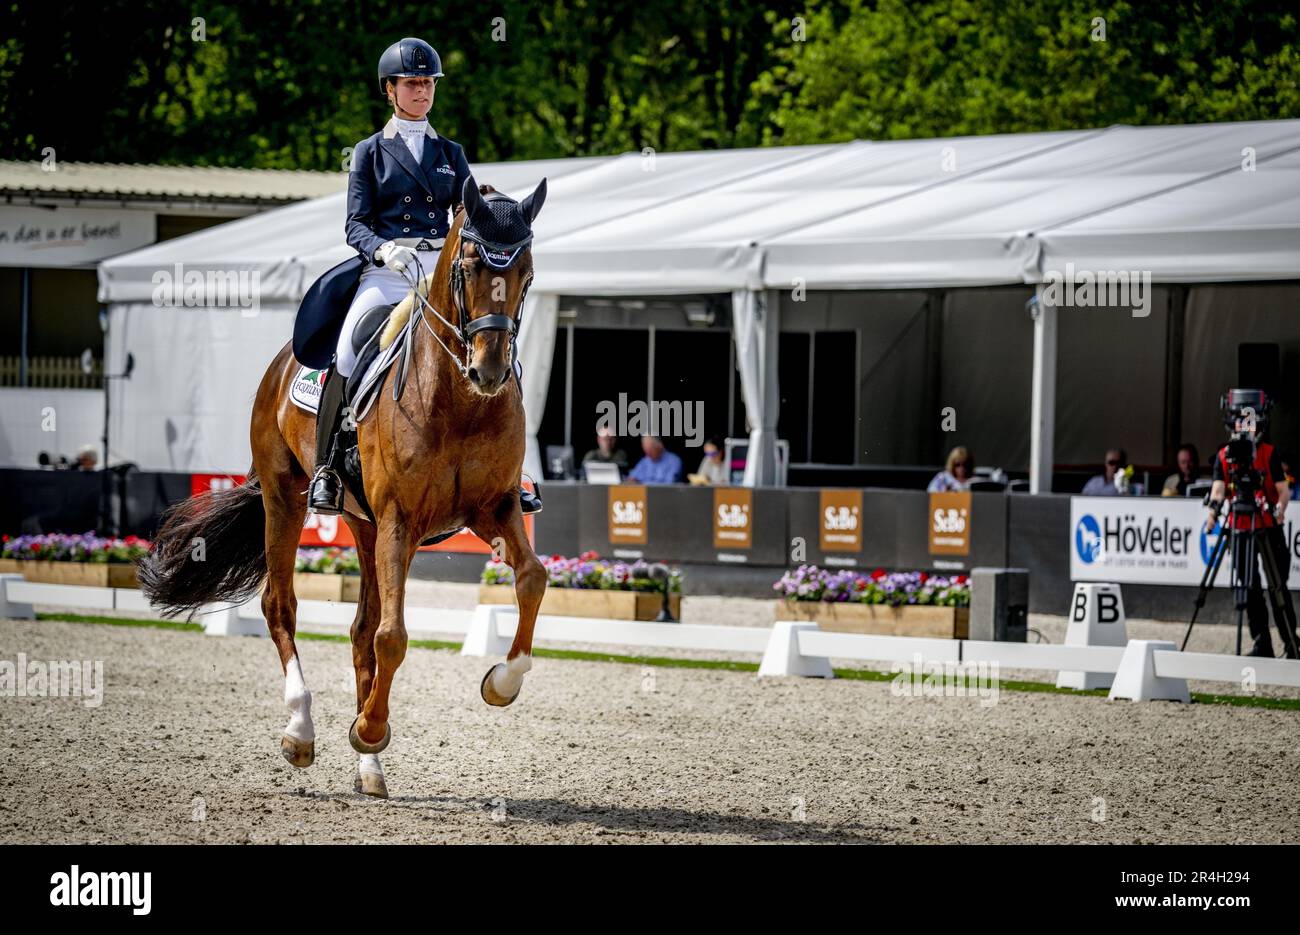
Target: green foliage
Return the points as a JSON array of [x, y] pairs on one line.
[[897, 70], [291, 85]]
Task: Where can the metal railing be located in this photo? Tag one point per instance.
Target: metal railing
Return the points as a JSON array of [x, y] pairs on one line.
[[61, 373]]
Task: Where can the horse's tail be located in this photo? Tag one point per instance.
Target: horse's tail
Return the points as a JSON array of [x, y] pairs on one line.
[[209, 548]]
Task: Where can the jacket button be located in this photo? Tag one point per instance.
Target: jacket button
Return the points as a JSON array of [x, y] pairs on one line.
[[406, 230], [407, 198], [406, 217], [428, 198], [430, 214]]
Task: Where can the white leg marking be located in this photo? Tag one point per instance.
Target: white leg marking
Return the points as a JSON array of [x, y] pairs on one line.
[[298, 700], [370, 764], [507, 679]]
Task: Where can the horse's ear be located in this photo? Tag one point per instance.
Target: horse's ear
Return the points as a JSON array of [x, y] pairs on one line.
[[532, 205], [472, 200]]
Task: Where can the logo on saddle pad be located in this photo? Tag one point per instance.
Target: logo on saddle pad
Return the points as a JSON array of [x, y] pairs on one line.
[[306, 388]]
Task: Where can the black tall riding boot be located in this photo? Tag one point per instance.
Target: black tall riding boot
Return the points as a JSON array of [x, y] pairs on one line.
[[529, 502], [326, 492]]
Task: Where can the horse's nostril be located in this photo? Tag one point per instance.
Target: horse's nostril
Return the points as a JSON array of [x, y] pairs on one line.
[[472, 374]]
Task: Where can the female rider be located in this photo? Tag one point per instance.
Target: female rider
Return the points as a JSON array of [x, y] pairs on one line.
[[404, 181]]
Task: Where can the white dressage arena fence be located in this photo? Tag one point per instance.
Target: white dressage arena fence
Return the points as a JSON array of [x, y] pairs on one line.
[[1142, 670]]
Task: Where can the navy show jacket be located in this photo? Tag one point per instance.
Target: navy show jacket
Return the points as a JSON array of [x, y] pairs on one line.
[[390, 197]]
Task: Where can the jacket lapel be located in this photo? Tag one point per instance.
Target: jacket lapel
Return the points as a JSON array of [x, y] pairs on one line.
[[397, 148], [431, 151], [399, 151]]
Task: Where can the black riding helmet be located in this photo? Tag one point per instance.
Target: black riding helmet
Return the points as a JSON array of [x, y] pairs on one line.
[[409, 58]]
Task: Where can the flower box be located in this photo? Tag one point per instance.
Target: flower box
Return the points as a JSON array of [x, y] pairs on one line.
[[89, 574], [589, 602], [313, 586], [880, 619]]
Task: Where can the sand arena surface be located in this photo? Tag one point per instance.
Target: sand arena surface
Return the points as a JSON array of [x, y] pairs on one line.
[[190, 727]]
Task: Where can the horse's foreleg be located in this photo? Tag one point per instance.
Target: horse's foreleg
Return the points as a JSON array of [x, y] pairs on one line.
[[370, 731], [503, 681], [369, 778]]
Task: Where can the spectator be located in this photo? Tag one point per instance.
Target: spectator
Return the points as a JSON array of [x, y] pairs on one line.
[[712, 470], [606, 451], [957, 473], [87, 458], [659, 466], [1112, 482], [1189, 472]]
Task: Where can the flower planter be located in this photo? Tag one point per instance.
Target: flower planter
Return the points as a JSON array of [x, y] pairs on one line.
[[589, 602], [11, 566], [313, 586], [880, 619], [90, 574]]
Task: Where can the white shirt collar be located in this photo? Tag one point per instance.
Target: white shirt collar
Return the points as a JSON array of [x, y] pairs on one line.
[[408, 128]]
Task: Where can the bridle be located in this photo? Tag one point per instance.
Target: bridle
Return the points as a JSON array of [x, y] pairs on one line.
[[499, 257]]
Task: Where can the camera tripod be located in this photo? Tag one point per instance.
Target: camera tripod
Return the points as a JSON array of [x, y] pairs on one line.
[[1244, 546]]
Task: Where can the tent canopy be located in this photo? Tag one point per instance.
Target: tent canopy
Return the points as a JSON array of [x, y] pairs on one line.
[[963, 211], [1202, 204]]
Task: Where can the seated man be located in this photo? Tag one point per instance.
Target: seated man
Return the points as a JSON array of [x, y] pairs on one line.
[[1104, 485], [606, 451], [659, 466], [1189, 472]]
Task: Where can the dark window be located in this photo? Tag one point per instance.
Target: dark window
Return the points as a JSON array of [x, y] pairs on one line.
[[692, 367], [792, 374], [606, 362], [551, 430], [834, 395]]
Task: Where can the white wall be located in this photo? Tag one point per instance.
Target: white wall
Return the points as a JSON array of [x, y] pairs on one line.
[[187, 406], [57, 421]]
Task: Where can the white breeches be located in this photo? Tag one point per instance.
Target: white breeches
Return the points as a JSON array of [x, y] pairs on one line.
[[379, 285]]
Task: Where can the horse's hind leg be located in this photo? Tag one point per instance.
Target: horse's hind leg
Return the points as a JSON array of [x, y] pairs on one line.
[[286, 507], [370, 775]]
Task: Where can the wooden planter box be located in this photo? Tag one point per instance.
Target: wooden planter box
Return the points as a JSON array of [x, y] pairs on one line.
[[312, 586], [11, 566], [82, 573], [881, 619], [579, 602]]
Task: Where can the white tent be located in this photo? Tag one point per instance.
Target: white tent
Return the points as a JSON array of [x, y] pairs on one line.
[[1188, 204]]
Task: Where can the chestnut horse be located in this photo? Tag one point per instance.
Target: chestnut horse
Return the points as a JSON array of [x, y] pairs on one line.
[[447, 453]]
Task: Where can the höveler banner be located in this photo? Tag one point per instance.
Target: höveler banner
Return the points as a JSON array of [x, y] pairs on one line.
[[1150, 540]]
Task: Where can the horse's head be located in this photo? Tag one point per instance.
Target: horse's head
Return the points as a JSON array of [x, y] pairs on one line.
[[491, 273]]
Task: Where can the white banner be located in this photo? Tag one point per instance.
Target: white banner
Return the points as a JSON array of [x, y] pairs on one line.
[[70, 236], [1155, 540]]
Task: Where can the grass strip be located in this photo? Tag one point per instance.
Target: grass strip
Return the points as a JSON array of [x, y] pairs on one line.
[[862, 675]]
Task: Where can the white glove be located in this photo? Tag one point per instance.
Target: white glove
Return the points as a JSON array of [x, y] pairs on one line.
[[395, 256]]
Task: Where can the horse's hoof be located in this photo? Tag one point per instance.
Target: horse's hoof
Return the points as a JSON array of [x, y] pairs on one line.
[[361, 746], [300, 753], [370, 784], [489, 694]]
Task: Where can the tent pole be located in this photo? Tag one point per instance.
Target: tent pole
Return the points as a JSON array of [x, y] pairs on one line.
[[1043, 412]]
